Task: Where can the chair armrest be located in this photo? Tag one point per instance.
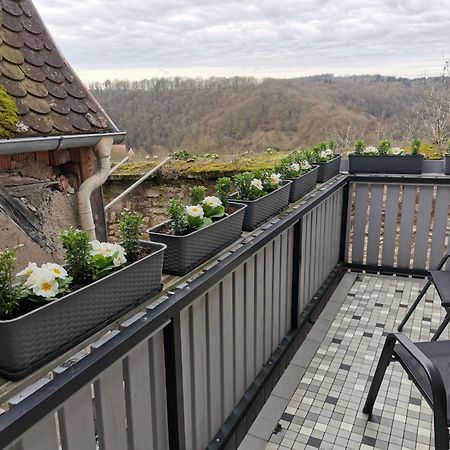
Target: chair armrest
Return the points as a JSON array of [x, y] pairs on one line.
[[439, 397], [443, 261]]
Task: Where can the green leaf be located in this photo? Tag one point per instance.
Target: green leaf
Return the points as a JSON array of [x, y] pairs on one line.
[[206, 222]]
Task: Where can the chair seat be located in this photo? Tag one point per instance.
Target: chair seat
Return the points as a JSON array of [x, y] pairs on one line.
[[441, 280], [438, 352]]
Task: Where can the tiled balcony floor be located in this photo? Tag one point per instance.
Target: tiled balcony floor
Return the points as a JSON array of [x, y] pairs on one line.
[[325, 407]]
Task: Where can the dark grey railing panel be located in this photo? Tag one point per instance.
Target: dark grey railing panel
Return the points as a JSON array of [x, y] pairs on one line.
[[390, 223], [407, 219], [233, 330], [373, 243], [42, 436], [77, 426], [402, 225], [424, 215], [440, 225], [129, 407], [319, 246]]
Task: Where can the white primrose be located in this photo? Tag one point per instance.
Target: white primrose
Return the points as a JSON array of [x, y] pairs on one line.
[[397, 151], [212, 201], [370, 150], [195, 211], [57, 270], [275, 178], [44, 284], [109, 250], [295, 167], [257, 183], [305, 165], [28, 270], [328, 153]]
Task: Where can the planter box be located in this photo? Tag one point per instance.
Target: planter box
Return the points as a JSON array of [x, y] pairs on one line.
[[185, 253], [29, 341], [260, 210], [385, 164], [328, 169], [447, 164], [303, 184]]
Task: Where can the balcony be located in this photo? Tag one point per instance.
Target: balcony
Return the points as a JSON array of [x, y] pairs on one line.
[[270, 345]]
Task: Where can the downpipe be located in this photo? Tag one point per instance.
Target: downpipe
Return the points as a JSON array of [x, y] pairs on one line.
[[102, 151]]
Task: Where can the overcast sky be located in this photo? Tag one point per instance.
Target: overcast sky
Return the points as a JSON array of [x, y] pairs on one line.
[[279, 38]]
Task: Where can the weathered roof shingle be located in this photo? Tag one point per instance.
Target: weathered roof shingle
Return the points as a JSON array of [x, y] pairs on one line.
[[50, 97]]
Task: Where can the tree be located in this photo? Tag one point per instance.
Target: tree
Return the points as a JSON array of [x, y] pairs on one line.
[[433, 107]]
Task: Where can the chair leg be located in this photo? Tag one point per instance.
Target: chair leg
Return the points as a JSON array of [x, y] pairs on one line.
[[442, 327], [414, 305], [441, 438], [383, 363]]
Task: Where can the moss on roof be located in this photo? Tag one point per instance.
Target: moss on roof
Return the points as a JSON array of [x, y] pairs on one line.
[[202, 167], [9, 116]]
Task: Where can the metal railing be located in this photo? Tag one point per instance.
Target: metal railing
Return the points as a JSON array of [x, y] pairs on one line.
[[398, 223], [186, 374]]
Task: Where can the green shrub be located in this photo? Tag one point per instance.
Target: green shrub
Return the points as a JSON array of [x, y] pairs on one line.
[[197, 195], [360, 145], [383, 147], [9, 298], [130, 228], [415, 146], [223, 189], [177, 215], [78, 255]]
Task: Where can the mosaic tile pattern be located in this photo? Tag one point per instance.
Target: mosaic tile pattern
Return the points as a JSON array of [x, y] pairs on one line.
[[325, 411]]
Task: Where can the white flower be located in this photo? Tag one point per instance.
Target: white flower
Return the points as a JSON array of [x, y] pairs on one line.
[[195, 211], [28, 270], [44, 284], [396, 151], [370, 150], [108, 250], [57, 270], [212, 201], [256, 183], [326, 153], [103, 248], [305, 165], [275, 178], [38, 273], [295, 167], [120, 259]]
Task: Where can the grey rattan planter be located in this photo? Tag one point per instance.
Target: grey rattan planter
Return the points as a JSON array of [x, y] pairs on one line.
[[328, 169], [303, 184], [30, 340], [447, 164], [385, 164], [260, 210], [185, 253]]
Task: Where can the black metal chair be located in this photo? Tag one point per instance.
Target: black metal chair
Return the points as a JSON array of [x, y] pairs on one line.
[[441, 280], [428, 366]]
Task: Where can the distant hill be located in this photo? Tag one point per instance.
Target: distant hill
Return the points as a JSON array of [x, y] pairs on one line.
[[233, 115]]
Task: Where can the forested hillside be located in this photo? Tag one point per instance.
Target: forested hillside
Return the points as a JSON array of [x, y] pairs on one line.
[[233, 115]]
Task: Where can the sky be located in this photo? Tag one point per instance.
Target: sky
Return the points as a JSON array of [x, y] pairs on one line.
[[136, 39]]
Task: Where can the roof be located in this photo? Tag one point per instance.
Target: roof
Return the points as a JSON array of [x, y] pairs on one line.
[[50, 97]]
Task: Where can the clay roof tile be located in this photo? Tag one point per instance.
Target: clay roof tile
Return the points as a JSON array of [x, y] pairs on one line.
[[50, 97]]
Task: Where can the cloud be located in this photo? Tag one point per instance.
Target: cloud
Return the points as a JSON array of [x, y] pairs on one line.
[[261, 38]]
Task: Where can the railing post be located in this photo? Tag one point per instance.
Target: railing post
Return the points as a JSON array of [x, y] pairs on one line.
[[297, 254], [344, 222], [174, 384]]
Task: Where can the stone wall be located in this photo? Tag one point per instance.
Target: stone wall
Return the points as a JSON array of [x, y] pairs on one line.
[[151, 199]]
